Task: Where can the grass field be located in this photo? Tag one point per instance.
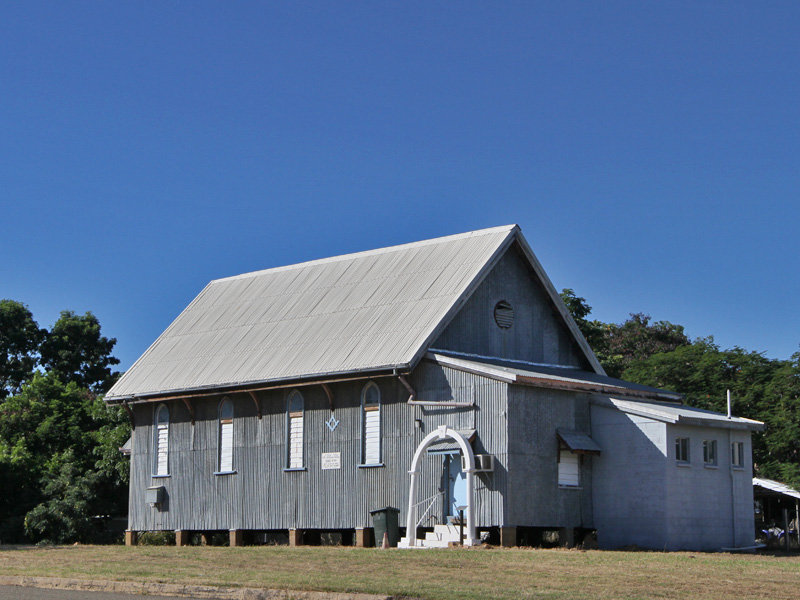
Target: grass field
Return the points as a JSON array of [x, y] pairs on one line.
[[431, 574]]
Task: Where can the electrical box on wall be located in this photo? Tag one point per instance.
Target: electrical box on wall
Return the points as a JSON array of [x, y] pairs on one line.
[[154, 496]]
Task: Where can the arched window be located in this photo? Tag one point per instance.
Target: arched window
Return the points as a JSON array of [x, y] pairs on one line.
[[161, 441], [371, 425], [225, 436], [295, 430]]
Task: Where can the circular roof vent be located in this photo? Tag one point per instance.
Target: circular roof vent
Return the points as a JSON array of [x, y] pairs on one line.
[[503, 315]]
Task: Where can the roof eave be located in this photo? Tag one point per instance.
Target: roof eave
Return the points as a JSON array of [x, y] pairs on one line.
[[262, 385], [669, 418]]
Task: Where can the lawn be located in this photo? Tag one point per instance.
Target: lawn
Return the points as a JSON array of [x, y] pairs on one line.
[[480, 573]]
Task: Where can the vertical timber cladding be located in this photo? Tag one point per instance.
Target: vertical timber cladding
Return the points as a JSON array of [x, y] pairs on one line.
[[535, 499], [434, 382], [537, 333]]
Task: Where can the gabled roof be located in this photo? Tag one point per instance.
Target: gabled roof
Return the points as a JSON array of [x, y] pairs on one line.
[[680, 415], [369, 312]]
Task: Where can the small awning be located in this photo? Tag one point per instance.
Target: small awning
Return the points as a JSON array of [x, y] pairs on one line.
[[449, 445], [578, 442]]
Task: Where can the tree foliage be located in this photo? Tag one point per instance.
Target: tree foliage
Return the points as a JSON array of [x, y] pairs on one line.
[[20, 338], [75, 351], [59, 442]]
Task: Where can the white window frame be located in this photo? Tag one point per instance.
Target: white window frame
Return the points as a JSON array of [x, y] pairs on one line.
[[737, 455], [710, 453], [680, 450], [161, 441], [371, 442], [225, 417], [295, 431], [569, 467]]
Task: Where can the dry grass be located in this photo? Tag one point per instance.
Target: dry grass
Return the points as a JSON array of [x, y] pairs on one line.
[[431, 574]]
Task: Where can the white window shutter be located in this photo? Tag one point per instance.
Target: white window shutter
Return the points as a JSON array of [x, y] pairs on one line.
[[568, 469], [296, 441], [162, 450], [372, 436], [226, 446]]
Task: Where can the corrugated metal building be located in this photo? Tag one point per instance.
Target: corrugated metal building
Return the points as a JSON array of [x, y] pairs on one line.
[[295, 399]]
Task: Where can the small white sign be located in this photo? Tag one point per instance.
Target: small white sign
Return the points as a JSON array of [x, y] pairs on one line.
[[331, 460]]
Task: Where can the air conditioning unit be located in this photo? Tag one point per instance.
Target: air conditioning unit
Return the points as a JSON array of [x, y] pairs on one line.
[[484, 463]]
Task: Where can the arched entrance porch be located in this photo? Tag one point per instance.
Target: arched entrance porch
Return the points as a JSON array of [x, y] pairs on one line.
[[440, 433]]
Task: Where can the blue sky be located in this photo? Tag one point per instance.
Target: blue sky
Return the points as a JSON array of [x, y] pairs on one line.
[[650, 151]]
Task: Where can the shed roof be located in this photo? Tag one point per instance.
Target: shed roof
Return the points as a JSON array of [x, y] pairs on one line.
[[358, 313], [548, 376], [681, 414], [775, 487]]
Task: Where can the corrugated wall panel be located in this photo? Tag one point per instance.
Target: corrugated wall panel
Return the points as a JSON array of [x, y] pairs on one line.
[[535, 498], [262, 495], [536, 335]]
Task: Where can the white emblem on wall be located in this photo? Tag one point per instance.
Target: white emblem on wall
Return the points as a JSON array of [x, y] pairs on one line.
[[331, 460], [332, 423]]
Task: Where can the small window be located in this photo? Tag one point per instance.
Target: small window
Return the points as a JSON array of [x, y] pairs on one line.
[[682, 450], [568, 467], [371, 425], [225, 436], [295, 412], [161, 442], [737, 455], [503, 315], [710, 452]]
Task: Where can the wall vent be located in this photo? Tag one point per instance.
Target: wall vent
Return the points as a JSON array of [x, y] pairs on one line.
[[503, 315]]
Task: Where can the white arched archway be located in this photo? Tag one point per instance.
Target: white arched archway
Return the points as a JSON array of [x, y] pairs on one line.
[[441, 432]]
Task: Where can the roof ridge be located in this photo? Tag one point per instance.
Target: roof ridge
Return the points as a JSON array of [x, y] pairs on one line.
[[373, 252]]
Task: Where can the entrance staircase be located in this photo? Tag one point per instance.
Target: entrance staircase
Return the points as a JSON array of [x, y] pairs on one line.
[[442, 536]]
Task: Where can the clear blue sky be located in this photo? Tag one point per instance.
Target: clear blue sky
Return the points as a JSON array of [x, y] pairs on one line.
[[650, 151]]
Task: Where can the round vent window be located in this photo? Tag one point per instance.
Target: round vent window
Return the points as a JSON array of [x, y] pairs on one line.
[[503, 315]]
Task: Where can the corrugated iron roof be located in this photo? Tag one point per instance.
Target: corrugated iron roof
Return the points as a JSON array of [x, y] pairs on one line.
[[776, 486], [360, 312], [578, 442], [552, 376]]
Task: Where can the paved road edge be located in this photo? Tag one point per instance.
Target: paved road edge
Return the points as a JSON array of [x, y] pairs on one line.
[[185, 590]]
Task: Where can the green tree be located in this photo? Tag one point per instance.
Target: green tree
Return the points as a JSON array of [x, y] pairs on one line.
[[637, 339], [780, 410], [594, 331], [75, 350], [59, 453], [20, 337], [617, 346]]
